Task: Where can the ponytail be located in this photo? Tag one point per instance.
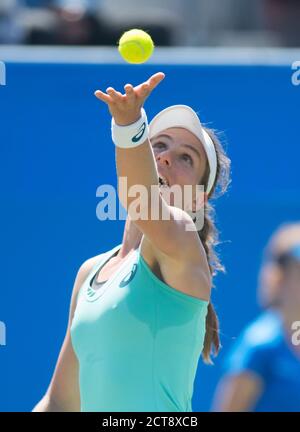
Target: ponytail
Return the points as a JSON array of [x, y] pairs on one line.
[[209, 238]]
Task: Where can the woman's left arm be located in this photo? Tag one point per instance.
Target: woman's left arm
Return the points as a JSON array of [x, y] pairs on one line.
[[138, 167]]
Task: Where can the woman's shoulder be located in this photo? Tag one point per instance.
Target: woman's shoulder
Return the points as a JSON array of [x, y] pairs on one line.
[[91, 264], [84, 271], [88, 264]]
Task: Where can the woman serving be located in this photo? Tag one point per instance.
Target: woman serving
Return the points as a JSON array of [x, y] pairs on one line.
[[140, 314]]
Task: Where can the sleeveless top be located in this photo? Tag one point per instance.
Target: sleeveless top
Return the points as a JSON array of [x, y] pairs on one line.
[[137, 340]]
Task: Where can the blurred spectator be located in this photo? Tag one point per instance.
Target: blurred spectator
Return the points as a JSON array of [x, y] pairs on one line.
[[244, 23], [87, 22], [283, 17], [164, 20], [262, 372], [230, 23], [11, 28], [170, 22], [38, 3], [212, 23], [66, 22]]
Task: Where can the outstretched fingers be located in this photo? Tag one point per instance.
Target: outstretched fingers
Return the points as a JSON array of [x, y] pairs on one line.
[[155, 79], [103, 96], [132, 94], [129, 90], [115, 95], [143, 90]]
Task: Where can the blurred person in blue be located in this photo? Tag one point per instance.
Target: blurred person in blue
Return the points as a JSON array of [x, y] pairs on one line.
[[262, 371]]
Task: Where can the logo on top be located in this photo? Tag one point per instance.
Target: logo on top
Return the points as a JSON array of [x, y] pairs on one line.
[[128, 278]]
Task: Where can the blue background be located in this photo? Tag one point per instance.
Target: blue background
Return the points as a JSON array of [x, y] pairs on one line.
[[56, 150]]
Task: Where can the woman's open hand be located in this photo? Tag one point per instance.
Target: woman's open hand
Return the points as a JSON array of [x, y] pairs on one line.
[[126, 108]]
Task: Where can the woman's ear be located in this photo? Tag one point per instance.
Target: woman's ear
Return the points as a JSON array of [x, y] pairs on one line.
[[200, 201]]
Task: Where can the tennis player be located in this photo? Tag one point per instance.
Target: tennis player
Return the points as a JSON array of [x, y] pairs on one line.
[[140, 314], [262, 371]]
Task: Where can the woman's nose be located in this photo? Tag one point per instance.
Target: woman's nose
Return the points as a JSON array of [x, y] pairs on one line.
[[164, 158]]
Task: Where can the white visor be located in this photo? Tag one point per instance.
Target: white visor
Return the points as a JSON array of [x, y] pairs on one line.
[[185, 117]]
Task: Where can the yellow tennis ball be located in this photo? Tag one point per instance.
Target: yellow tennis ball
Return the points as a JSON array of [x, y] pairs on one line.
[[136, 46]]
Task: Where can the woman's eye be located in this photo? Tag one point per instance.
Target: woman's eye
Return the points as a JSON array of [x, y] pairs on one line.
[[159, 145], [187, 158]]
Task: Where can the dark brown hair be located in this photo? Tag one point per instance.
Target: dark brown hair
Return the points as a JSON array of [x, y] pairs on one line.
[[209, 236]]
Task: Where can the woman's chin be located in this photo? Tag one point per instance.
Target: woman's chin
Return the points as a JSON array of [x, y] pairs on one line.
[[164, 191]]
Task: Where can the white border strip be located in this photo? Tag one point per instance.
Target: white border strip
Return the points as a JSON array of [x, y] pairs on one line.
[[162, 55]]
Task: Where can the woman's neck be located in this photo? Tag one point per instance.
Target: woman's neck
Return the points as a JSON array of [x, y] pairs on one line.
[[131, 238]]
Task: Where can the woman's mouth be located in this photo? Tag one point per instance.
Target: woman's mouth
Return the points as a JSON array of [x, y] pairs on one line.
[[163, 181]]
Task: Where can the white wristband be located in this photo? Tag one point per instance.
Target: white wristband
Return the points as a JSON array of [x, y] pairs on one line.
[[131, 135]]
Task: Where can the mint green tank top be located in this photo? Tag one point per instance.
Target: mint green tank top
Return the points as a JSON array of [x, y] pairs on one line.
[[138, 340]]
